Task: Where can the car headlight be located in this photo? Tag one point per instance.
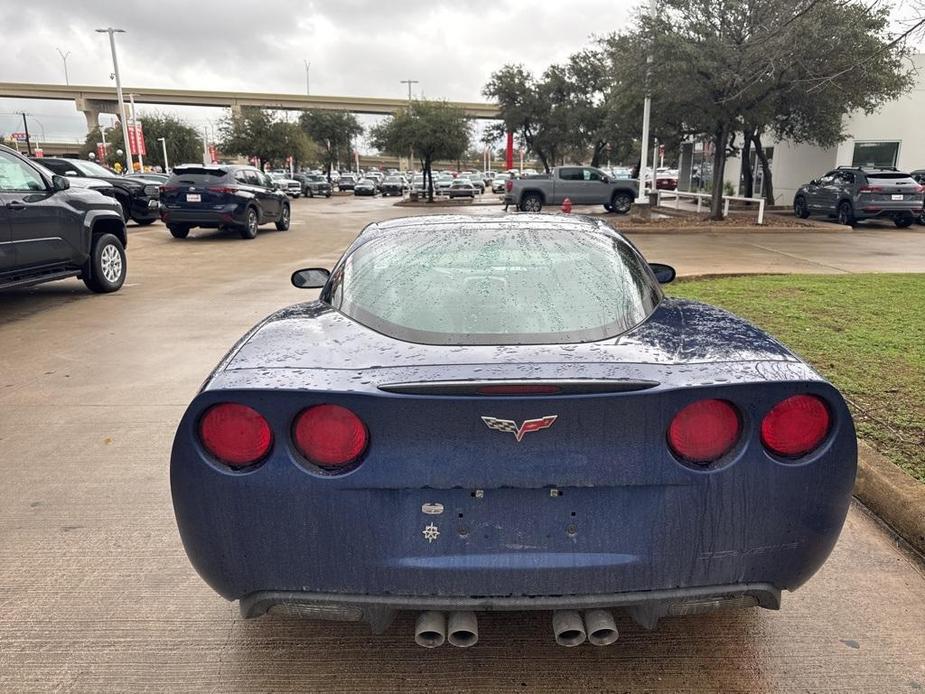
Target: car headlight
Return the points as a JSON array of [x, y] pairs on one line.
[[152, 191]]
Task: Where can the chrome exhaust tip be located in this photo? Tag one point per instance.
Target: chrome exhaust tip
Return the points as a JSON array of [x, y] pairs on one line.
[[462, 629], [568, 628], [430, 629], [601, 628]]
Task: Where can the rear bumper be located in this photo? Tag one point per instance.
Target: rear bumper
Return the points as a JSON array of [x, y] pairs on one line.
[[871, 210], [646, 607], [213, 217]]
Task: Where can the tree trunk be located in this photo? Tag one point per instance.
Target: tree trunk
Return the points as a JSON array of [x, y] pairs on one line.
[[719, 172], [765, 169], [428, 179], [747, 163]]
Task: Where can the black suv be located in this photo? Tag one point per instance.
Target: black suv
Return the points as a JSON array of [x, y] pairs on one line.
[[853, 193], [313, 185], [219, 196], [138, 197], [50, 231]]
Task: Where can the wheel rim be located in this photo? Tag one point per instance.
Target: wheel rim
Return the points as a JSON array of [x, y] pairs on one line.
[[532, 204], [843, 215], [252, 221], [621, 203], [111, 263], [286, 216], [799, 208]]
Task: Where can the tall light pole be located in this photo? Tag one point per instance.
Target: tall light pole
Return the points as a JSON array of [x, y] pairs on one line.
[[163, 141], [642, 199], [115, 64], [410, 99], [308, 84], [64, 58], [409, 83]]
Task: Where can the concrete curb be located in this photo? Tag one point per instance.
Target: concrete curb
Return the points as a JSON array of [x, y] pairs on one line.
[[896, 498]]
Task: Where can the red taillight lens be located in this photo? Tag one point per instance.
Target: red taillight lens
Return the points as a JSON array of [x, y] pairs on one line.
[[519, 389], [704, 431], [235, 434], [870, 189], [795, 426], [330, 436], [221, 189]]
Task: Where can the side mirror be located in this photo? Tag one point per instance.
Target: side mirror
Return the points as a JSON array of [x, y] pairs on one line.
[[310, 278], [814, 182], [663, 273], [605, 179], [60, 182]]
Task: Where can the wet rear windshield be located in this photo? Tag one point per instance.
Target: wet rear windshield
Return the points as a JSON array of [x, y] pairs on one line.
[[197, 176], [495, 286]]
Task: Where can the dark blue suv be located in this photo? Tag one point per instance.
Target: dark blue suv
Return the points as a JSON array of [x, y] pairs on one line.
[[220, 196]]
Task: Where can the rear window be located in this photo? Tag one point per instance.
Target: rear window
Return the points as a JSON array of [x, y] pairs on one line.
[[197, 176], [458, 285]]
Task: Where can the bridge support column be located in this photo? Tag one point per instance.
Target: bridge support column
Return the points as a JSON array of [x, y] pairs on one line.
[[92, 109]]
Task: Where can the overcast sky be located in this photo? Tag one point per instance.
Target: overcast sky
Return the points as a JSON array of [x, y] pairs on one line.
[[355, 47]]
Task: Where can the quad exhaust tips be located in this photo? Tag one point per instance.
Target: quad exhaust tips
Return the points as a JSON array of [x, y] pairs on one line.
[[597, 626], [432, 629]]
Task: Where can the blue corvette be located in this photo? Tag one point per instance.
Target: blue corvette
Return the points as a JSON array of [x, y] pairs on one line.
[[508, 414]]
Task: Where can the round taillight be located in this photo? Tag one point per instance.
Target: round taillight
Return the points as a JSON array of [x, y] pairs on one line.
[[330, 436], [795, 426], [704, 431], [235, 434]]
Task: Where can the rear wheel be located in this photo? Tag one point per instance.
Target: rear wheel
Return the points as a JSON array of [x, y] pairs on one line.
[[621, 202], [904, 221], [922, 217], [178, 231], [531, 202], [104, 270], [282, 223], [799, 208], [144, 222], [249, 230], [310, 193], [845, 214]]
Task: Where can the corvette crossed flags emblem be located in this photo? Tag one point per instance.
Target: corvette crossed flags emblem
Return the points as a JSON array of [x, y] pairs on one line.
[[509, 426]]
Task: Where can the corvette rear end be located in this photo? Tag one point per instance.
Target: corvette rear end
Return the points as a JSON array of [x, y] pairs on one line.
[[690, 464]]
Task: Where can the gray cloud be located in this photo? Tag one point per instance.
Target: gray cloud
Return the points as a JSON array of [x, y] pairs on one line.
[[356, 47]]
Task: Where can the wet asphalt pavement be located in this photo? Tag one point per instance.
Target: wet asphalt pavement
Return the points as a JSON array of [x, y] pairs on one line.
[[97, 594]]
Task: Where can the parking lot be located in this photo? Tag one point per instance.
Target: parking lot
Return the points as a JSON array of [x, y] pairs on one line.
[[98, 595]]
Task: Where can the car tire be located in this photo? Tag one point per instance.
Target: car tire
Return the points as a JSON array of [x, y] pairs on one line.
[[310, 193], [251, 222], [799, 208], [531, 202], [621, 202], [104, 270], [845, 214], [922, 218], [178, 231], [143, 222], [904, 221], [285, 218]]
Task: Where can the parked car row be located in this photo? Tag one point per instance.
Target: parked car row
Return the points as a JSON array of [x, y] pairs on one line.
[[850, 194]]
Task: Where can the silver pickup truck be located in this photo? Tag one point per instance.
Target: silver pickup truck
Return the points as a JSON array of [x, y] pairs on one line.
[[583, 185]]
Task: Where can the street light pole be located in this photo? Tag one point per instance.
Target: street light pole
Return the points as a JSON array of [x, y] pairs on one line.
[[308, 83], [163, 141], [64, 58], [25, 126], [115, 64], [646, 113], [410, 99]]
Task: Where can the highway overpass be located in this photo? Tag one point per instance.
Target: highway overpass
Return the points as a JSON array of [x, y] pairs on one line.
[[95, 100]]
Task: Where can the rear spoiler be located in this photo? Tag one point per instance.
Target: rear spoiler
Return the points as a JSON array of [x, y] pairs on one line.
[[199, 169]]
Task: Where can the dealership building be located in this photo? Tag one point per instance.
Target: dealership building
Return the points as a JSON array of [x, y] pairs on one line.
[[893, 135]]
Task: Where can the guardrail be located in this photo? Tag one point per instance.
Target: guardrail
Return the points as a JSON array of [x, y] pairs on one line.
[[678, 194]]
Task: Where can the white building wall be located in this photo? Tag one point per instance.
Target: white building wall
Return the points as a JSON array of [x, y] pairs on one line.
[[901, 121]]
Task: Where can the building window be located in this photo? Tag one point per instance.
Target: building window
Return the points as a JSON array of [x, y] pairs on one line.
[[875, 154]]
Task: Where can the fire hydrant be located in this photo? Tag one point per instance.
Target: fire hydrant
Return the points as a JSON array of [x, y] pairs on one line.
[[567, 206]]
